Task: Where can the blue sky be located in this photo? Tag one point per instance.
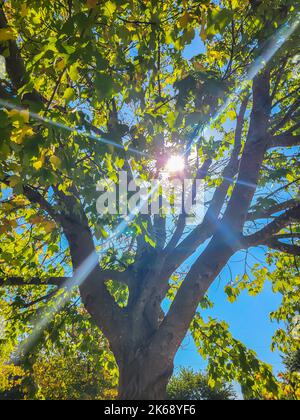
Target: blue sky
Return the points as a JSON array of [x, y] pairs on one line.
[[248, 318]]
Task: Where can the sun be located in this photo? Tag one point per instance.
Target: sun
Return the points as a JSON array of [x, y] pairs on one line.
[[175, 164]]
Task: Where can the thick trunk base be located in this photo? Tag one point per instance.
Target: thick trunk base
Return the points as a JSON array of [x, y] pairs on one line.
[[144, 380]]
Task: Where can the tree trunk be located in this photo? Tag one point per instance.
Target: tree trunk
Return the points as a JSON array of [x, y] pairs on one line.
[[144, 377]]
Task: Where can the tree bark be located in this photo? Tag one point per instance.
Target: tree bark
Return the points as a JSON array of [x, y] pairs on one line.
[[144, 376]]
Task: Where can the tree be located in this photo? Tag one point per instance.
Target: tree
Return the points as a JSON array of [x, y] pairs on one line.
[[290, 378], [73, 364], [94, 87], [188, 385], [292, 362]]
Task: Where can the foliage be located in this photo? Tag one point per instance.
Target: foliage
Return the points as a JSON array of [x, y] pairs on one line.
[[71, 362], [92, 87], [290, 378], [292, 361], [188, 385], [229, 360]]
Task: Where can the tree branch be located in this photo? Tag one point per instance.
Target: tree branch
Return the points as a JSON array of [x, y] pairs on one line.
[[265, 214], [204, 231], [210, 263], [15, 65], [282, 247], [262, 236], [181, 224], [294, 107], [36, 198], [202, 274], [253, 155], [104, 275], [20, 281], [284, 140]]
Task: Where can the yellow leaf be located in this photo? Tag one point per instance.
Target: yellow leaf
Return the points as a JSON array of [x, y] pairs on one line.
[[199, 66], [73, 72], [61, 64], [231, 115], [18, 135], [131, 27], [7, 34], [69, 94], [38, 164], [91, 4], [23, 114], [215, 54], [37, 19], [19, 201], [110, 8]]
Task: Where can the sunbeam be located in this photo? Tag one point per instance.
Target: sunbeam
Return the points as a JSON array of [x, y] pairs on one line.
[[56, 305], [273, 45], [71, 130], [244, 183], [78, 279]]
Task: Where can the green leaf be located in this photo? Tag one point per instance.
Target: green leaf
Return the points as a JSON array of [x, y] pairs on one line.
[[104, 84], [73, 72], [56, 162], [150, 241], [69, 95]]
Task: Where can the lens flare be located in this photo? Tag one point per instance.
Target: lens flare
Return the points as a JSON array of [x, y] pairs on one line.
[[175, 164]]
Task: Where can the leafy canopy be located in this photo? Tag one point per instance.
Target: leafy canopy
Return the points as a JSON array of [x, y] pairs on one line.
[[88, 81]]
